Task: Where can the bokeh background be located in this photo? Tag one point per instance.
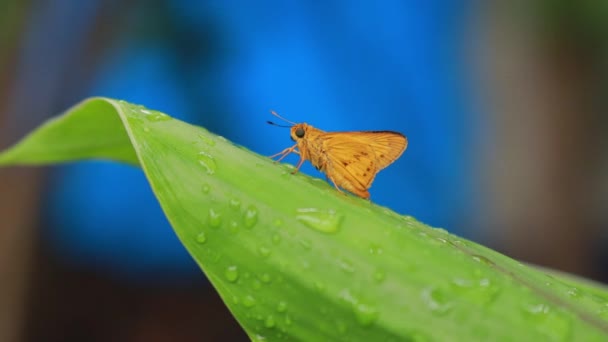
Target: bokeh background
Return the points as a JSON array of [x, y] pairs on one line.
[[503, 103]]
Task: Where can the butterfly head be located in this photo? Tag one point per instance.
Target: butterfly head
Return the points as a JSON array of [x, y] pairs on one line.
[[298, 131]]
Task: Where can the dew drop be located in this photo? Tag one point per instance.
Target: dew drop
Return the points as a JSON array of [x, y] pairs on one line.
[[574, 292], [305, 243], [319, 286], [482, 259], [257, 285], [323, 220], [482, 291], [135, 120], [258, 338], [266, 278], [347, 296], [276, 239], [215, 218], [379, 276], [233, 226], [207, 162], [269, 322], [155, 116], [201, 237], [375, 249], [205, 188], [277, 222], [251, 216], [264, 251], [249, 301], [537, 309], [235, 203], [458, 242], [207, 140], [346, 266], [436, 301], [366, 314], [231, 273], [282, 306], [554, 323]]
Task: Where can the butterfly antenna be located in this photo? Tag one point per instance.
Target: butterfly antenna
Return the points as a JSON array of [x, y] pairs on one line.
[[274, 124], [282, 118]]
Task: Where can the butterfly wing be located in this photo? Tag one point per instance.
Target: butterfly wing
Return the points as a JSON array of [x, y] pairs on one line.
[[387, 146], [354, 158]]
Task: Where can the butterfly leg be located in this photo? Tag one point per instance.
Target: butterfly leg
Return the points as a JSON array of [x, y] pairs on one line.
[[298, 166], [336, 185], [284, 153]]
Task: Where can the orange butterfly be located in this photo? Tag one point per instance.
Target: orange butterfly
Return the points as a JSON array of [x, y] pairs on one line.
[[350, 160]]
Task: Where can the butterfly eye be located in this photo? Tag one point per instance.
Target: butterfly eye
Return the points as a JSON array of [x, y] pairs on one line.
[[300, 132]]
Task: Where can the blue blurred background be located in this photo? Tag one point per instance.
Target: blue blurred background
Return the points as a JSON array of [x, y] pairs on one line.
[[502, 104]]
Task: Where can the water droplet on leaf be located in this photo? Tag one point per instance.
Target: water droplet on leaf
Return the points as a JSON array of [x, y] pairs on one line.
[[436, 300], [215, 218], [266, 278], [375, 249], [235, 203], [347, 266], [282, 306], [366, 314], [207, 162], [305, 243], [258, 338], [323, 220], [482, 259], [251, 216], [233, 226], [249, 301], [231, 274], [155, 116], [269, 322], [379, 276], [207, 140], [264, 251], [201, 237]]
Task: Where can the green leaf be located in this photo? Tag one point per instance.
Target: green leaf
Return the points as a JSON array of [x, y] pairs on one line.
[[293, 259]]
